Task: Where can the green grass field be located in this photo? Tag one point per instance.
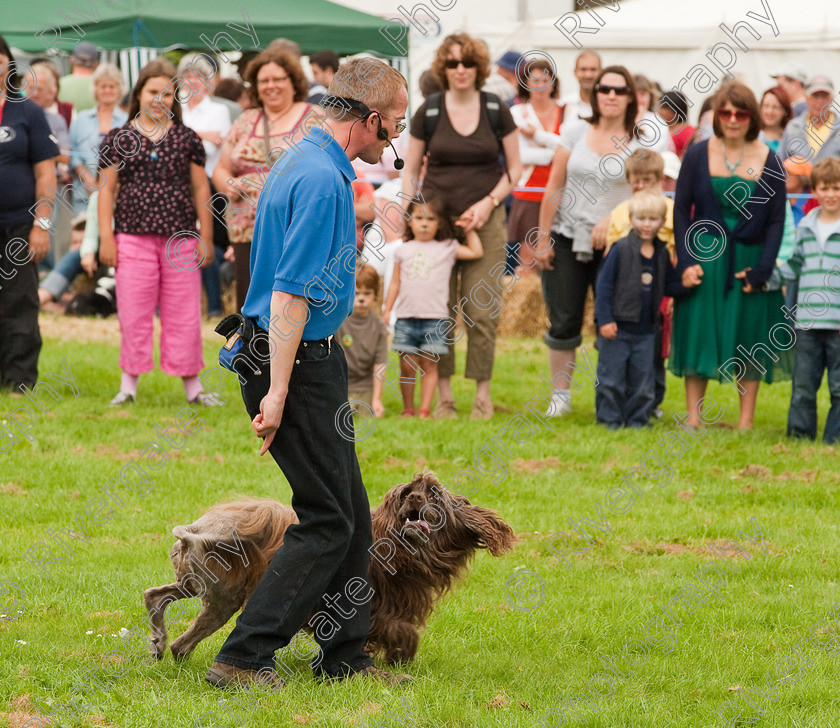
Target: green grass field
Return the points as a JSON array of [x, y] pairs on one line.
[[522, 633]]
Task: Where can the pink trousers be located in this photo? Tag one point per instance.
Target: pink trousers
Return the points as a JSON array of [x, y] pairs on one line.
[[146, 280]]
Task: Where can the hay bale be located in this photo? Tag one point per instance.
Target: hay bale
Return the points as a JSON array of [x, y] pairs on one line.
[[589, 315], [524, 313]]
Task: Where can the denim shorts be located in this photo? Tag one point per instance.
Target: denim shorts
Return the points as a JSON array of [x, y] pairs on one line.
[[413, 335]]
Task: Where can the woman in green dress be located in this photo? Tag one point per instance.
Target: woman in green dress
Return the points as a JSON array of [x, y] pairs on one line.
[[728, 221]]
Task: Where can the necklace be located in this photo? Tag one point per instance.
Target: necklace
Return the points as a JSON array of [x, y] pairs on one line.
[[272, 120], [726, 163]]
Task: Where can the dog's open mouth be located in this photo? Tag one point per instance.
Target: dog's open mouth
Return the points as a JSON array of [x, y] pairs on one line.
[[420, 523], [413, 524]]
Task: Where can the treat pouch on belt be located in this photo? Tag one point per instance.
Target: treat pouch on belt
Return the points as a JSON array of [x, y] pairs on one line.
[[244, 342]]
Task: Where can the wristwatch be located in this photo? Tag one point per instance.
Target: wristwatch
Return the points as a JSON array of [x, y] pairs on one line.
[[494, 201], [43, 223]]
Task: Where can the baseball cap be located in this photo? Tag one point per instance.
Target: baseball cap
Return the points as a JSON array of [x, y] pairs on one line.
[[86, 54], [820, 83], [792, 70], [509, 60]]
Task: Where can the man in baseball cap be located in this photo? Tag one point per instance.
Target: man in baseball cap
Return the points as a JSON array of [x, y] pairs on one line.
[[503, 82], [792, 79], [814, 134], [77, 88]]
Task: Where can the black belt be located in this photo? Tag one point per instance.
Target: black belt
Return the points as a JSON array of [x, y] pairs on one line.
[[320, 342]]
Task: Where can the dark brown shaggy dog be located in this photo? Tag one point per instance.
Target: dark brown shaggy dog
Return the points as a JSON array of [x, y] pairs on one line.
[[424, 538]]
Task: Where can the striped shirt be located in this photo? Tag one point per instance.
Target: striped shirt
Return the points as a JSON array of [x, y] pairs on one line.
[[818, 269]]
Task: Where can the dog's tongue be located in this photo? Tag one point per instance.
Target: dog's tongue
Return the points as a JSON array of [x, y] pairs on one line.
[[420, 522]]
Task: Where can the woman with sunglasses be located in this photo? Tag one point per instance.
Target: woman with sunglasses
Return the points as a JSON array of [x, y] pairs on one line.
[[463, 169], [729, 217], [587, 180]]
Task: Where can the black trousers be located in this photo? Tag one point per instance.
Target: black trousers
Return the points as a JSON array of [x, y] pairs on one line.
[[564, 291], [20, 338], [329, 547]]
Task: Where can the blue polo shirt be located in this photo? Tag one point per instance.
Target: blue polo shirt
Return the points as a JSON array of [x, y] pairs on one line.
[[305, 236]]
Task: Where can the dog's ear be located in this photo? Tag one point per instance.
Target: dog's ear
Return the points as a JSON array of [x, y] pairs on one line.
[[488, 529]]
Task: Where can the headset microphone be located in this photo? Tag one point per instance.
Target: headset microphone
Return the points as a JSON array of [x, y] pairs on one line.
[[383, 135], [346, 104]]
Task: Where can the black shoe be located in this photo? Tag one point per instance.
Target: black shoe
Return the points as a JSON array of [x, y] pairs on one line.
[[222, 675]]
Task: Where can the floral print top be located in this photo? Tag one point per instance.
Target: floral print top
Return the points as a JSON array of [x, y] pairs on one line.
[[155, 192], [249, 167]]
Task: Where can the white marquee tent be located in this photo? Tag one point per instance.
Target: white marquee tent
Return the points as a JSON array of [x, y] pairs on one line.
[[664, 39]]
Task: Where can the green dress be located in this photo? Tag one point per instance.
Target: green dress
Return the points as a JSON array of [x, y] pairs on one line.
[[711, 322]]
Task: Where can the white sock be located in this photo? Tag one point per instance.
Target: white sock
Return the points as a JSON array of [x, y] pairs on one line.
[[564, 394], [128, 383]]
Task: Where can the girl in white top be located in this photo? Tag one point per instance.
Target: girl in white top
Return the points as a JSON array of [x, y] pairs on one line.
[[419, 294]]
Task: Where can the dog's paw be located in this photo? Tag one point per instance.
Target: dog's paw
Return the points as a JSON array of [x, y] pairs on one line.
[[158, 648], [180, 651]]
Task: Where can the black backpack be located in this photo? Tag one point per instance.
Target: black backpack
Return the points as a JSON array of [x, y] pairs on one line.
[[490, 102]]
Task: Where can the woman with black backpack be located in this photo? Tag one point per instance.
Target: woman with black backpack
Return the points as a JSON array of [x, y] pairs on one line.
[[464, 131]]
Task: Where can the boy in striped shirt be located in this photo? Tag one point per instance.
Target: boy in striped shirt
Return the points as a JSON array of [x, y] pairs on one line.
[[816, 264]]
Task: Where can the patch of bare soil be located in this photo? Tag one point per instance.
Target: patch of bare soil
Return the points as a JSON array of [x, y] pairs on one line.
[[535, 466], [83, 329]]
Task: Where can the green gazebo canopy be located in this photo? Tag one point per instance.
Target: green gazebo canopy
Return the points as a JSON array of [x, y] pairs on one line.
[[119, 24]]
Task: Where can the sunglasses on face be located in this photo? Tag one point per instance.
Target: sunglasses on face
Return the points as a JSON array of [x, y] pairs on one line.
[[619, 90], [453, 63], [741, 115]]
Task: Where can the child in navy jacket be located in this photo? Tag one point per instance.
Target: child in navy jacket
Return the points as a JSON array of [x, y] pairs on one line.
[[636, 273]]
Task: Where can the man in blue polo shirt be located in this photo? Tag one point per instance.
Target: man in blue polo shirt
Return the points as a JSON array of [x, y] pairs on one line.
[[302, 287]]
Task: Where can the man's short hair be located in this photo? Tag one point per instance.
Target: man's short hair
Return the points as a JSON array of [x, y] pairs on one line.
[[367, 278], [826, 172], [648, 204], [325, 60], [368, 80], [646, 161], [198, 63], [586, 53]]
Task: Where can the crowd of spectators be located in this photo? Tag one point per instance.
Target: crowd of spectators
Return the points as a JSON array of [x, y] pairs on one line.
[[542, 177]]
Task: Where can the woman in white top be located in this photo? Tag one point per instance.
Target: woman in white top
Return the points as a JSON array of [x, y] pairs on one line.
[[538, 118], [586, 182]]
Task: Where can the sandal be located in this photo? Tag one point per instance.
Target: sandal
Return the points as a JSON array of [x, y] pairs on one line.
[[424, 414], [408, 413], [482, 410], [445, 410]]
